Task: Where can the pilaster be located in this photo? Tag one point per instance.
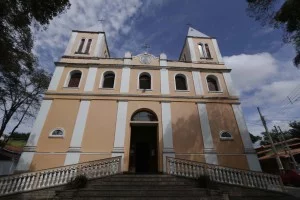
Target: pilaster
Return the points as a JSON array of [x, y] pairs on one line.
[[164, 74]]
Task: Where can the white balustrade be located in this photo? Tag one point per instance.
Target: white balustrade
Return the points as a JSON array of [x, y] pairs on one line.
[[222, 174], [58, 176]]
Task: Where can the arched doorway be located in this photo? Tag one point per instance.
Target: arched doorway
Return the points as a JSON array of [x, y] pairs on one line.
[[143, 157]]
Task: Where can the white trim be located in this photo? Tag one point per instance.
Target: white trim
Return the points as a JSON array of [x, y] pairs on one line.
[[56, 77], [168, 148], [225, 138], [218, 83], [90, 46], [90, 80], [164, 81], [217, 50], [186, 82], [98, 48], [72, 158], [151, 81], [197, 83], [57, 136], [102, 79], [192, 50], [39, 123], [68, 50], [203, 50], [125, 80], [239, 117], [211, 159], [205, 126], [121, 124], [84, 46], [228, 81], [253, 162], [80, 124], [25, 161], [69, 76]]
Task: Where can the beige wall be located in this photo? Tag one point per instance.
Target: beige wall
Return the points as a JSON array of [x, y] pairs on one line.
[[132, 107], [62, 114], [64, 80], [190, 84], [221, 117], [46, 161], [91, 157], [187, 137], [87, 36], [99, 80], [223, 87], [155, 78], [100, 127], [211, 48], [234, 161]]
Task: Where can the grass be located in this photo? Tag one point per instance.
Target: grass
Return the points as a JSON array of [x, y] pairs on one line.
[[16, 143]]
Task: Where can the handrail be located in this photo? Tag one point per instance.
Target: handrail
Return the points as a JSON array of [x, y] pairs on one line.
[[193, 169], [59, 175]]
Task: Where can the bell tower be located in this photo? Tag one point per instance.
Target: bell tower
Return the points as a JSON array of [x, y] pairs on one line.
[[200, 47], [90, 42]]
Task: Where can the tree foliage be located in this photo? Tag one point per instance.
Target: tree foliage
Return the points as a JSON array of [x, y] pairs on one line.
[[16, 20], [284, 15], [254, 138], [22, 82]]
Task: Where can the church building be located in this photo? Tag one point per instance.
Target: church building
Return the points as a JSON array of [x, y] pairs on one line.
[[142, 107]]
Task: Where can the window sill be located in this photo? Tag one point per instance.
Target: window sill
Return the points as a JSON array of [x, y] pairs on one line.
[[205, 58], [71, 88], [56, 136], [217, 92], [81, 53], [145, 89], [226, 139], [182, 90], [107, 88]]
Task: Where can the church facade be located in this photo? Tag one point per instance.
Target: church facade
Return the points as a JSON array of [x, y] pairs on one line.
[[141, 107]]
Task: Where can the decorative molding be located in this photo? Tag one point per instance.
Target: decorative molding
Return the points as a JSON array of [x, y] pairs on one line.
[[217, 50], [80, 124], [192, 50], [71, 44], [72, 158], [90, 80], [125, 80], [56, 77], [99, 45], [228, 81], [39, 123]]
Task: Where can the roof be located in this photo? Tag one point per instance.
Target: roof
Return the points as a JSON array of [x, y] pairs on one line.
[[195, 33], [94, 29]]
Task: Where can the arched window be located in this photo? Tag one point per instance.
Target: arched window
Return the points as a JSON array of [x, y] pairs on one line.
[[75, 77], [145, 81], [58, 132], [180, 82], [80, 48], [207, 51], [201, 50], [108, 80], [144, 116], [225, 135], [212, 83]]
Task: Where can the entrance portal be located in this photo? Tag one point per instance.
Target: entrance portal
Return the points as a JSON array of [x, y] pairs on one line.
[[143, 149]]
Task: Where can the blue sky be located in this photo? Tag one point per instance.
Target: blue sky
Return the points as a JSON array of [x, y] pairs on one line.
[[262, 65]]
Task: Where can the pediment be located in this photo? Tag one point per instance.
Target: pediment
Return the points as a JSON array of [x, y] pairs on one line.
[[145, 58]]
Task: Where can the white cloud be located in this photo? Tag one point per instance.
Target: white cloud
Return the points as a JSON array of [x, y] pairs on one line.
[[266, 80]]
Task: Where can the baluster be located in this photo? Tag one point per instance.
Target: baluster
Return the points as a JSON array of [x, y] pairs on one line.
[[13, 183], [27, 182], [2, 184], [23, 183], [18, 185], [236, 179], [218, 174], [7, 188], [33, 178], [240, 177]]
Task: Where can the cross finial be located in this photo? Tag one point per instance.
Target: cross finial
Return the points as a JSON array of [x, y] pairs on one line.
[[146, 47]]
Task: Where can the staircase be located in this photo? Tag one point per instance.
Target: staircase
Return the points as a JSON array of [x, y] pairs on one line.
[[107, 182], [134, 187]]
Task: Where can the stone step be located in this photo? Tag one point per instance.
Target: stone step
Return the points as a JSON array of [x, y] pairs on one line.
[[134, 179], [144, 198], [146, 184], [138, 193]]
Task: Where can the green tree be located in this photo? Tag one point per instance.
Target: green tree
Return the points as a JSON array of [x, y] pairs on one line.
[[295, 129], [279, 14], [255, 138], [16, 20]]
